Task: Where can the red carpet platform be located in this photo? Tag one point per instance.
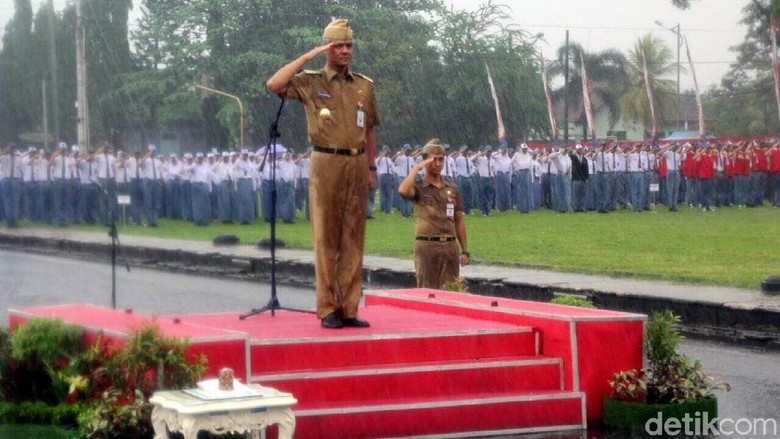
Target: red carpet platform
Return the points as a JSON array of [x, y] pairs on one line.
[[433, 363]]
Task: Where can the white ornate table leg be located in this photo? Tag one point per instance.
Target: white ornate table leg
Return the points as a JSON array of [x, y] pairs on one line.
[[159, 423], [190, 426], [286, 422]]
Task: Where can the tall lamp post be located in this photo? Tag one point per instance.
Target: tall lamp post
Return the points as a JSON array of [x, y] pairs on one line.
[[676, 31], [240, 110]]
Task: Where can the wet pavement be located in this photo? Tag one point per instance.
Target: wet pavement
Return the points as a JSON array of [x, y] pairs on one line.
[[35, 279]]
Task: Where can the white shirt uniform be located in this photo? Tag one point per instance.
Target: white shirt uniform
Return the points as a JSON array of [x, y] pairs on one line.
[[104, 165]]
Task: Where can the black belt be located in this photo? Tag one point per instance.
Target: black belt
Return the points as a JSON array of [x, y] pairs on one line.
[[436, 238], [339, 151]]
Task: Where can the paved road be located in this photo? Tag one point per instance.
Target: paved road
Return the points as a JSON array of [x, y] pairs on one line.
[[29, 279], [724, 297]]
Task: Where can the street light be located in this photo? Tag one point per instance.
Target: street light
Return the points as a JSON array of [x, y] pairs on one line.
[[240, 110], [676, 31]]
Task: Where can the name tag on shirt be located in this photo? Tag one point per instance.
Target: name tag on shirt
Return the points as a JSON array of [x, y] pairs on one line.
[[450, 211], [361, 119]]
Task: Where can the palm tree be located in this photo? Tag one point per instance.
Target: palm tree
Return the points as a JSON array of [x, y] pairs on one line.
[[634, 104], [607, 76]]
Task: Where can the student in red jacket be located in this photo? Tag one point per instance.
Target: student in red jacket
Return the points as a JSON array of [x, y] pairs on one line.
[[705, 168], [741, 171], [758, 176], [689, 174]]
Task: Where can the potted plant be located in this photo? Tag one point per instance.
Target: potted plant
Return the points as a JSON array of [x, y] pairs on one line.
[[671, 386]]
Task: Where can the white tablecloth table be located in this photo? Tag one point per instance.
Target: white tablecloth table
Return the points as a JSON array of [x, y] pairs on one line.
[[178, 410]]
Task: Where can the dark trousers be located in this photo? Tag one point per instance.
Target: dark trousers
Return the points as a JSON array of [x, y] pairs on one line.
[[152, 200], [12, 190]]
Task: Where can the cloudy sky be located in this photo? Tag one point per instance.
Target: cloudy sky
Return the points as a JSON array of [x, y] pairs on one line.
[[711, 26]]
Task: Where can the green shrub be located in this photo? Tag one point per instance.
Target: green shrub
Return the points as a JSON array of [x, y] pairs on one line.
[[37, 432], [629, 385], [35, 365], [46, 357], [669, 377], [681, 379], [149, 361], [458, 285], [625, 414], [37, 412], [573, 301], [46, 342], [663, 337], [111, 418], [7, 382]]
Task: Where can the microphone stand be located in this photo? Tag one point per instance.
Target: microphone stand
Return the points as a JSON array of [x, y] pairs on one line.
[[270, 157], [115, 249]]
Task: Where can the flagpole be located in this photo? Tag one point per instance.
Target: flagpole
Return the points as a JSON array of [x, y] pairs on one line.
[[775, 69], [586, 101], [649, 90], [702, 129], [499, 119], [548, 95]]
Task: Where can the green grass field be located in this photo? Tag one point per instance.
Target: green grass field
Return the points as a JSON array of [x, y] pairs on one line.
[[728, 247]]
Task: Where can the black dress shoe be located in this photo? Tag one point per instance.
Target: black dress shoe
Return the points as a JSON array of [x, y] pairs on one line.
[[355, 322], [332, 321]]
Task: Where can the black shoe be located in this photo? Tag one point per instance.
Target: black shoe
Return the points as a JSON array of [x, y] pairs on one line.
[[355, 322], [332, 321]]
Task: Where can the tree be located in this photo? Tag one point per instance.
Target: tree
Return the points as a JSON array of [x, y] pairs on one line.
[[466, 40], [426, 61], [607, 75], [743, 106], [16, 92], [744, 103], [108, 58], [634, 104]]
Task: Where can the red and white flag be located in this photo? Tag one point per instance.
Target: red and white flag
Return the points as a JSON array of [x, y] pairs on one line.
[[548, 95], [702, 128], [586, 101], [499, 119], [775, 70], [649, 90]]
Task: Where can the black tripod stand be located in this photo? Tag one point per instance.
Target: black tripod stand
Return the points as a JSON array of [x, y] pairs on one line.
[[115, 251], [270, 158]]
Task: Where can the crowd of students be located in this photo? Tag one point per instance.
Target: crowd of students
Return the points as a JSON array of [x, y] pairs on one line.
[[601, 178], [66, 185]]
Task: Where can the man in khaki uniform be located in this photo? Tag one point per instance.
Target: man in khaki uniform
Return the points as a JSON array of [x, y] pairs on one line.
[[438, 209], [341, 113]]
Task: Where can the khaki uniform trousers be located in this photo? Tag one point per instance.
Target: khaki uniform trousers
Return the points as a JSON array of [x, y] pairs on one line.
[[436, 263], [338, 190]]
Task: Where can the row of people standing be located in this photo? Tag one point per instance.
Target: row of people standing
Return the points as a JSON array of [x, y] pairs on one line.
[[64, 186], [597, 179]]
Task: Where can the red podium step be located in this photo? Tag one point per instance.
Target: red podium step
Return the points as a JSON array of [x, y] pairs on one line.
[[433, 363]]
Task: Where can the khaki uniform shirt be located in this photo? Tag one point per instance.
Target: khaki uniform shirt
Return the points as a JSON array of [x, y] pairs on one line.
[[343, 97], [430, 208]]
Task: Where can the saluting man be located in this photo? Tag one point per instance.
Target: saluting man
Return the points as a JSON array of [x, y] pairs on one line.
[[438, 211], [341, 113]]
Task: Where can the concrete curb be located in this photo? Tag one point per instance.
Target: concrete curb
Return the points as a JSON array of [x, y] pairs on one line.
[[755, 321]]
